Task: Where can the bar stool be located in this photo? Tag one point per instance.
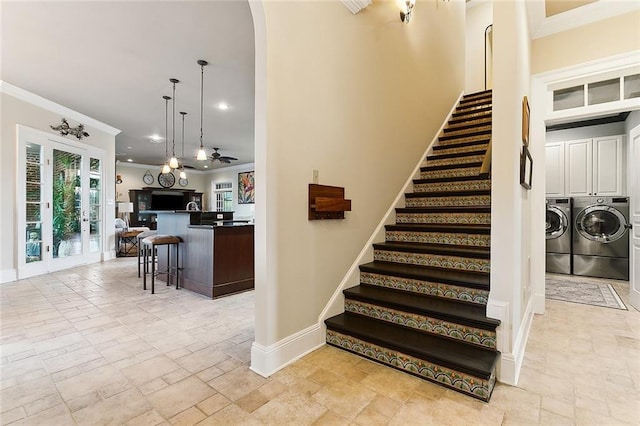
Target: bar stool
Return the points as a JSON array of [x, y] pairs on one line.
[[141, 248], [150, 252]]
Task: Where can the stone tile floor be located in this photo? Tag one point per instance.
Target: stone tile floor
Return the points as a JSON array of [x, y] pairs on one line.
[[87, 346]]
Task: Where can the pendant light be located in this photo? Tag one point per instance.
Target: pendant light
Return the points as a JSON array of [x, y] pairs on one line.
[[165, 167], [201, 154], [183, 174], [173, 162]]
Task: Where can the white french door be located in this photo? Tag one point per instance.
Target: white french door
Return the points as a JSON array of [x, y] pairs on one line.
[[60, 203], [634, 216]]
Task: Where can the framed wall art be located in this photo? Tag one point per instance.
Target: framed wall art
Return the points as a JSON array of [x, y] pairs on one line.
[[526, 112], [246, 188], [526, 168]]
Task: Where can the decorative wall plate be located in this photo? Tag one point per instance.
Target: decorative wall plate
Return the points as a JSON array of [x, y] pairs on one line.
[[166, 180], [147, 178], [183, 182]]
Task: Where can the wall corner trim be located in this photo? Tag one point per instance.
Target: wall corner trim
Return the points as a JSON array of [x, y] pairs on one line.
[[266, 360], [41, 102]]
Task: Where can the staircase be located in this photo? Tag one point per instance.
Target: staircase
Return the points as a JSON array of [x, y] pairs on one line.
[[421, 304]]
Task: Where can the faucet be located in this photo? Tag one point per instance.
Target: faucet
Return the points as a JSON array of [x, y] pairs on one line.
[[192, 206]]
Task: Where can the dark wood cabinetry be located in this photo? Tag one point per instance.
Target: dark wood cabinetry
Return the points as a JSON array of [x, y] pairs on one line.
[[147, 201]]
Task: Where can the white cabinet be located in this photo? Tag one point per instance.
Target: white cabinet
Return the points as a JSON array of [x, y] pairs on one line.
[[554, 165], [594, 167], [585, 167]]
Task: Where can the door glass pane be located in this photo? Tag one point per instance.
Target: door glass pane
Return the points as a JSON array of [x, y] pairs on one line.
[[571, 97], [95, 205], [34, 200], [604, 91], [600, 223], [67, 197], [632, 86]]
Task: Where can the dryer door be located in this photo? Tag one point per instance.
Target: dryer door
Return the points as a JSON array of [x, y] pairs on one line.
[[602, 224], [556, 223]]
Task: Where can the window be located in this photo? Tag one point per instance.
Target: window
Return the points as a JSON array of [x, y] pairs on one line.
[[590, 92], [224, 197]]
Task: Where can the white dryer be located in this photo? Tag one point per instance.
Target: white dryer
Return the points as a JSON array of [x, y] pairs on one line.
[[558, 235]]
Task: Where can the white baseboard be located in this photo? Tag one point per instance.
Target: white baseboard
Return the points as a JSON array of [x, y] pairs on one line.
[[266, 360], [538, 304], [511, 360], [8, 275], [634, 297]]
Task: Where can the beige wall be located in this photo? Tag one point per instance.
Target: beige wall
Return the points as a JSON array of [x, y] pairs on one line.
[[357, 97], [478, 17], [16, 111], [132, 174], [602, 39], [513, 208]]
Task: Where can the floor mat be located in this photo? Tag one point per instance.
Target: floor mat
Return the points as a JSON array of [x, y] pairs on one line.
[[587, 291]]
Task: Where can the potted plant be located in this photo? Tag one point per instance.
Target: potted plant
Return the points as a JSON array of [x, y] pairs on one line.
[[65, 216]]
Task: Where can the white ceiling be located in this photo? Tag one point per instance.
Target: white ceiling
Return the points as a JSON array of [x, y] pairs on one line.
[[112, 61]]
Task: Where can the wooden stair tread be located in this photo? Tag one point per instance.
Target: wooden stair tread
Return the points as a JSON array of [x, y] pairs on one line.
[[450, 166], [471, 279], [434, 157], [439, 249], [469, 314], [451, 179], [458, 229], [459, 356], [468, 111], [461, 193], [445, 209], [463, 144]]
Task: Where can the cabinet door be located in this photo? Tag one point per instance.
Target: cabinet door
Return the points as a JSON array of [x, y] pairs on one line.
[[578, 168], [554, 164], [607, 165]]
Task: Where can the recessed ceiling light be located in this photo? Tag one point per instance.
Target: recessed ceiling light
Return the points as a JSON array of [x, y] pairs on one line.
[[130, 160], [155, 138], [223, 106], [206, 167], [129, 147]]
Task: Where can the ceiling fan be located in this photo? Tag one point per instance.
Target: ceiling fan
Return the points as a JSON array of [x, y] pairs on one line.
[[221, 158]]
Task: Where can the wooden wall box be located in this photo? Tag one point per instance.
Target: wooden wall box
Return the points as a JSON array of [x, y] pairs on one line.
[[327, 202]]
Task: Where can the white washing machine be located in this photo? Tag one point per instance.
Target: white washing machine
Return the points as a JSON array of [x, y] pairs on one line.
[[601, 237], [558, 235]]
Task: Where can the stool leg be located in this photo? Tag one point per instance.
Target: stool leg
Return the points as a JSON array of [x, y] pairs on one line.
[[153, 269], [177, 266], [168, 264], [144, 269], [139, 248]]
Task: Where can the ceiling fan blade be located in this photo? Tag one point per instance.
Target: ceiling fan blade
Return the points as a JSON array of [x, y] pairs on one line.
[[224, 160], [224, 157]]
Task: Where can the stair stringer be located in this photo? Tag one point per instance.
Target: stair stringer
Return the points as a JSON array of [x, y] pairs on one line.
[[335, 305]]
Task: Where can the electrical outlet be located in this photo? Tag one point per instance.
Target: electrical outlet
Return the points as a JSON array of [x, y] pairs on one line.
[[316, 178]]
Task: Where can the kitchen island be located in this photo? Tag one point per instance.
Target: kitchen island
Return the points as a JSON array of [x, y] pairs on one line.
[[216, 256]]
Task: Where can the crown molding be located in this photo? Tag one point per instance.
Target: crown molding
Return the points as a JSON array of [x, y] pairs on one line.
[[355, 6], [43, 103], [540, 25]]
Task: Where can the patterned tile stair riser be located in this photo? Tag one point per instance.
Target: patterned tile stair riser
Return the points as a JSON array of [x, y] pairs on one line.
[[448, 291], [458, 150], [484, 121], [433, 260], [450, 173], [427, 324], [459, 239], [471, 116], [473, 386], [467, 185], [466, 131], [445, 218], [469, 200], [465, 139], [456, 160]]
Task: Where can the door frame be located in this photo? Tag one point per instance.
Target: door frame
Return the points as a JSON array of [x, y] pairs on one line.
[[50, 142], [634, 216]]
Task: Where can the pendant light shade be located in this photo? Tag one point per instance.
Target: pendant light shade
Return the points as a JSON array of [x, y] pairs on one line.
[[173, 162], [202, 155], [165, 167], [183, 174]]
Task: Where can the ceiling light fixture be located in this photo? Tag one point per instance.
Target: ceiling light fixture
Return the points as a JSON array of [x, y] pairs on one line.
[[406, 9], [201, 154], [173, 162], [165, 167], [183, 174], [223, 106]]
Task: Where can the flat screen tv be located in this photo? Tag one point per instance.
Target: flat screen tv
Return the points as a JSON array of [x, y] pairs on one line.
[[166, 201]]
